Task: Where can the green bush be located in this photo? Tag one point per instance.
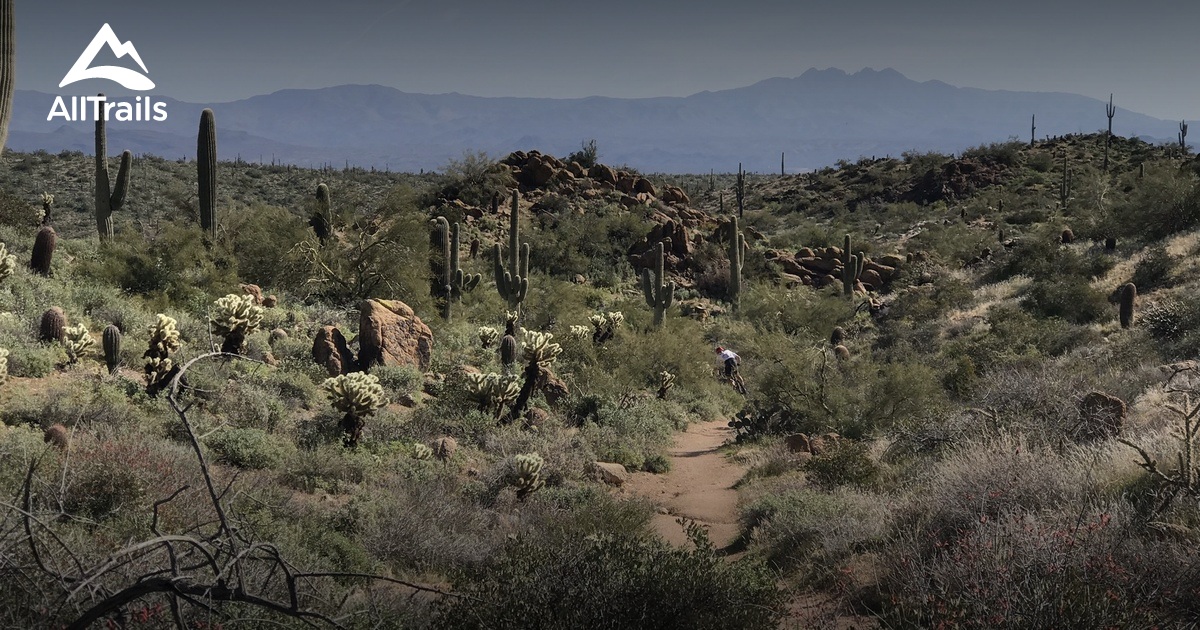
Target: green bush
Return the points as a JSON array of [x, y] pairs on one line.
[[1073, 300], [844, 463], [248, 448], [612, 582], [1155, 270]]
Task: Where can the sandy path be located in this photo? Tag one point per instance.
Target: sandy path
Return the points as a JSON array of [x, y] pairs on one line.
[[699, 486]]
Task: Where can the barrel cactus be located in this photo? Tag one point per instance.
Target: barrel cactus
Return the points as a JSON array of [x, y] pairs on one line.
[[112, 347], [508, 345], [235, 317], [43, 250], [1128, 299], [53, 325], [8, 263], [77, 340], [527, 477], [357, 395]]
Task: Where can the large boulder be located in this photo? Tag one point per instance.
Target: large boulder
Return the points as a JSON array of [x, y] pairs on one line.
[[331, 351], [610, 473], [553, 387], [643, 186], [675, 195], [390, 333], [602, 173]]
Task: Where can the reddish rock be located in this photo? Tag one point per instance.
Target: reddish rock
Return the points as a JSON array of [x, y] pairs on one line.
[[643, 186], [331, 351], [602, 173], [390, 333]]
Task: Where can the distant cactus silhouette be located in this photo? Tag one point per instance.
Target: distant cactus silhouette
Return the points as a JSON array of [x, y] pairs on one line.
[[1110, 111], [8, 66], [1183, 127]]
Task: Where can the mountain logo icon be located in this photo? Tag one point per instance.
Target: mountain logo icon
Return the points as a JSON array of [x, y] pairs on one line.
[[130, 79]]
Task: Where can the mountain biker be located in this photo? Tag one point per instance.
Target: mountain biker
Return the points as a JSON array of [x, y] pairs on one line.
[[731, 360]]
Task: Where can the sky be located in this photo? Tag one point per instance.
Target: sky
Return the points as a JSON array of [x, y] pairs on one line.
[[224, 50]]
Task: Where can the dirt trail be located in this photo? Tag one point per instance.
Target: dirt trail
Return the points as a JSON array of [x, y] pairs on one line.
[[699, 486]]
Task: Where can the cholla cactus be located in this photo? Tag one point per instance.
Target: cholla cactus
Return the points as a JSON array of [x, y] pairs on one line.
[[493, 391], [357, 395], [539, 349], [488, 336], [8, 262], [606, 325], [76, 341], [510, 318], [528, 473], [580, 332], [422, 452], [235, 317], [159, 372], [666, 381], [3, 365], [47, 204], [164, 337]]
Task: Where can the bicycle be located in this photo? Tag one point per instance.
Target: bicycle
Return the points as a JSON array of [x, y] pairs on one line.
[[739, 384]]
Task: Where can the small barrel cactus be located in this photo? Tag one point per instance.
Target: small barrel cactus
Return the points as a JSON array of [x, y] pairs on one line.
[[8, 263], [43, 250], [77, 341], [235, 317], [508, 350], [528, 477], [1128, 298], [53, 326], [112, 347], [356, 395]]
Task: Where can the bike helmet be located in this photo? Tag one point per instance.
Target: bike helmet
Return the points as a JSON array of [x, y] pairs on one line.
[[720, 349]]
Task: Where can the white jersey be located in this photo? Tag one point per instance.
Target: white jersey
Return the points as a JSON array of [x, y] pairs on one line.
[[727, 355]]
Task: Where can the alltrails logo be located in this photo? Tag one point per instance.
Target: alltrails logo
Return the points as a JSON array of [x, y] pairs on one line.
[[141, 110]]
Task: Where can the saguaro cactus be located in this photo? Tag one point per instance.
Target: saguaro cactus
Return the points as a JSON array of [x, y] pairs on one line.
[[852, 267], [740, 190], [1064, 191], [1183, 136], [8, 67], [513, 283], [112, 347], [1032, 130], [1111, 111], [455, 281], [659, 293], [108, 198], [43, 250], [206, 165], [1128, 297], [737, 261]]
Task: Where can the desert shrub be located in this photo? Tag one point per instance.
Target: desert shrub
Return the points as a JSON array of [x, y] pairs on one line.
[[261, 236], [172, 266], [1167, 201], [398, 381], [845, 463], [248, 448], [1154, 270], [612, 582], [1042, 258], [474, 177], [1006, 153], [591, 244], [124, 475], [796, 527], [1174, 322], [1070, 299], [17, 212], [628, 436], [588, 154]]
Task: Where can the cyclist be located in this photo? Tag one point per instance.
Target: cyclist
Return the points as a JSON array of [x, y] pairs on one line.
[[731, 360]]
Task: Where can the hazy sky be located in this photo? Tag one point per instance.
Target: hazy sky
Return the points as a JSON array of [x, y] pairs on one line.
[[1142, 51]]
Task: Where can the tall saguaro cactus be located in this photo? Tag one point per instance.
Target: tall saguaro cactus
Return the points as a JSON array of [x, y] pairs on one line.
[[1032, 130], [740, 190], [455, 282], [108, 198], [1064, 188], [1183, 136], [206, 166], [737, 261], [660, 295], [1111, 111], [513, 282], [8, 66]]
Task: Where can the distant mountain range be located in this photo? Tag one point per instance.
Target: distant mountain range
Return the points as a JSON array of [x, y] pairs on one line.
[[816, 119]]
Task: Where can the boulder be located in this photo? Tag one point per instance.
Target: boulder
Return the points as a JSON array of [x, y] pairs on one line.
[[270, 301], [820, 265], [552, 387], [331, 351], [577, 170], [390, 333], [626, 183], [602, 173], [675, 195], [798, 443], [444, 448], [254, 291], [643, 186], [612, 474], [892, 260]]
